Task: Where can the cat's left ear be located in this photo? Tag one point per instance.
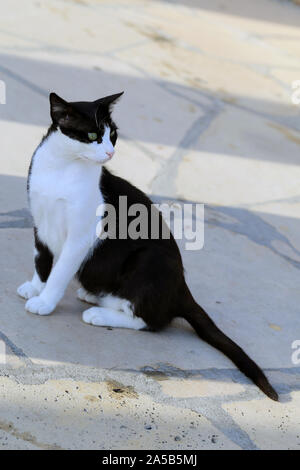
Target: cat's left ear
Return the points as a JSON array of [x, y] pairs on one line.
[[108, 101]]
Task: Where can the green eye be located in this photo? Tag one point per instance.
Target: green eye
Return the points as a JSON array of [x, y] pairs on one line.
[[92, 136]]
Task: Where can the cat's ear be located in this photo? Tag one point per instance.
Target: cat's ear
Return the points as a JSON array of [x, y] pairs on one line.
[[108, 101], [58, 107], [62, 112]]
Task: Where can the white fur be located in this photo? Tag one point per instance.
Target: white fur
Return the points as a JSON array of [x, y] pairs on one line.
[[64, 195], [82, 294], [101, 316], [113, 311], [108, 301], [31, 288], [115, 303]]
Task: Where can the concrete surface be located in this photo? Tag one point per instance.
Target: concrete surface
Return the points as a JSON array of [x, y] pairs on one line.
[[207, 116]]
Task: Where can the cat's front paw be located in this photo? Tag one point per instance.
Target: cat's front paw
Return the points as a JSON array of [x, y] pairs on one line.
[[27, 290], [39, 306]]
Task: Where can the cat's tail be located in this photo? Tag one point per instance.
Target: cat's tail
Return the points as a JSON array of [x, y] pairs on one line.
[[209, 332]]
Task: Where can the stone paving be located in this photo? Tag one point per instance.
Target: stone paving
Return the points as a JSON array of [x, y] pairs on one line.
[[207, 116]]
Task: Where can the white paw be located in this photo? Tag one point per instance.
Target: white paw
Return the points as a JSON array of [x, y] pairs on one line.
[[99, 316], [82, 294], [39, 306], [93, 316], [27, 290]]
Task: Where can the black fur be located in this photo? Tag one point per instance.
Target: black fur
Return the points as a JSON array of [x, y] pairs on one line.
[[43, 259], [77, 119], [147, 272]]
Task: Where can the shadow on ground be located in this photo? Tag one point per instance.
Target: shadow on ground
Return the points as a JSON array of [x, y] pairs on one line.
[[244, 9], [255, 322], [29, 83]]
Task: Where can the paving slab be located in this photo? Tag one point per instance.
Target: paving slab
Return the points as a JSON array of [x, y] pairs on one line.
[[256, 158], [206, 117]]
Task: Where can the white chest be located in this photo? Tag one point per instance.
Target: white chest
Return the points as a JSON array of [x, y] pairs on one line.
[[64, 196]]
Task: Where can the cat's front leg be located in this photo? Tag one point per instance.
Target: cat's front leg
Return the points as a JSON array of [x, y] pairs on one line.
[[68, 263], [31, 288], [43, 260]]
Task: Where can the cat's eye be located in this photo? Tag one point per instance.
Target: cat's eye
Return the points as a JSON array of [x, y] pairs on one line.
[[92, 136], [112, 133]]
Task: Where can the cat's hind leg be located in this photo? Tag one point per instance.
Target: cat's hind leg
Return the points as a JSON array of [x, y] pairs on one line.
[[107, 300], [115, 303], [103, 316], [84, 295]]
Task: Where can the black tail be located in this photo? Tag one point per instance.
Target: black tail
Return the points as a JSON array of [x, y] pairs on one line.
[[209, 332]]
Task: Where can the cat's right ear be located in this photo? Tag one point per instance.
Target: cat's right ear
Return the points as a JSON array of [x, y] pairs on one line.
[[59, 108]]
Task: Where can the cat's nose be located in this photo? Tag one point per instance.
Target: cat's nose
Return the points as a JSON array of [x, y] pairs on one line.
[[110, 154]]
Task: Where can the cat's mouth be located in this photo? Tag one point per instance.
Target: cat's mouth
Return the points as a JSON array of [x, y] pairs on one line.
[[107, 158], [96, 160]]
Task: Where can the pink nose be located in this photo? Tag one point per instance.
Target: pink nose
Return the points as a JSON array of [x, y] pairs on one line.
[[110, 154]]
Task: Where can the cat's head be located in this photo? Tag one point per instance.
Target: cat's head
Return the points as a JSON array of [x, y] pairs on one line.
[[87, 129]]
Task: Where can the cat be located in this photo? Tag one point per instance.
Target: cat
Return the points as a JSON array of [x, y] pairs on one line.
[[133, 283]]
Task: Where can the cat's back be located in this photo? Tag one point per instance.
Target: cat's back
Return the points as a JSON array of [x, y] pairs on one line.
[[113, 187]]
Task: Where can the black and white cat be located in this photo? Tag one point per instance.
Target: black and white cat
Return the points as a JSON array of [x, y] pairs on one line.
[[133, 283]]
